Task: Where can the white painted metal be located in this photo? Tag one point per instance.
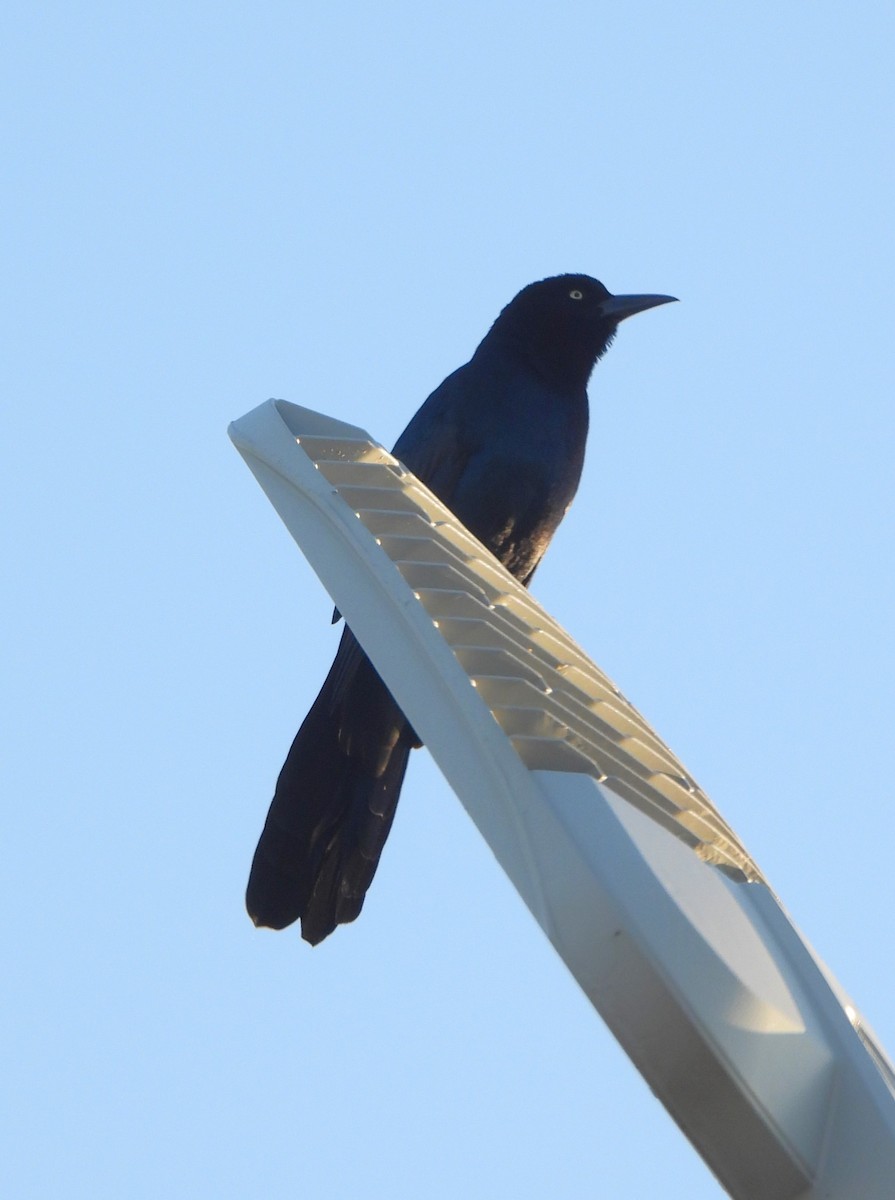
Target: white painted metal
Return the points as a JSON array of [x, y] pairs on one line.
[[646, 893]]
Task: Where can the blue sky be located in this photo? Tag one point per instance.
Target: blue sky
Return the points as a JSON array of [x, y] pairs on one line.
[[212, 204]]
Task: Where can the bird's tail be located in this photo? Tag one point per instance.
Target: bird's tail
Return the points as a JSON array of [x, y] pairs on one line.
[[334, 803]]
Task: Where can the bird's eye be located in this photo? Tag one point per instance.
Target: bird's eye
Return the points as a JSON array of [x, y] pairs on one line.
[[574, 294]]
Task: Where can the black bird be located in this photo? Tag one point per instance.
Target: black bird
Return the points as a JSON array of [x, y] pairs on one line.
[[501, 443]]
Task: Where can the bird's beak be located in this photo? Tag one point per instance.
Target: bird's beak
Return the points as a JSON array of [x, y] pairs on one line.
[[616, 308]]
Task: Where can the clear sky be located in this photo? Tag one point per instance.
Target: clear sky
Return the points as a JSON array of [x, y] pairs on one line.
[[210, 204]]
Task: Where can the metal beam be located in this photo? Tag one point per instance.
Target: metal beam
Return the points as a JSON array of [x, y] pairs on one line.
[[647, 894]]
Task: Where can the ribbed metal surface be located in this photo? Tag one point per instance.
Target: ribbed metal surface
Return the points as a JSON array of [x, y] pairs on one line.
[[559, 710], [736, 1026]]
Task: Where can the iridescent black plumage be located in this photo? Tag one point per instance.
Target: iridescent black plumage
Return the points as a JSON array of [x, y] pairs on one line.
[[501, 443]]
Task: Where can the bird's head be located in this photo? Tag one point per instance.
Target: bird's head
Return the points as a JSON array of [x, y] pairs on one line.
[[563, 325]]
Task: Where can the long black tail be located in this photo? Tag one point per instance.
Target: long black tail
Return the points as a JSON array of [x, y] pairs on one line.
[[334, 803]]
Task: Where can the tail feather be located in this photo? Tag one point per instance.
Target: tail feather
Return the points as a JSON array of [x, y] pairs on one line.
[[352, 855], [334, 803]]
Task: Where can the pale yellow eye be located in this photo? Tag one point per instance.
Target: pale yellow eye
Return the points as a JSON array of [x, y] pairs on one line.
[[576, 295]]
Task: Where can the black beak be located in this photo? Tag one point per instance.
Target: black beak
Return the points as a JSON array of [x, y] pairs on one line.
[[616, 308]]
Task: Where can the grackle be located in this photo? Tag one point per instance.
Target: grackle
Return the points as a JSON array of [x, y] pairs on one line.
[[501, 443]]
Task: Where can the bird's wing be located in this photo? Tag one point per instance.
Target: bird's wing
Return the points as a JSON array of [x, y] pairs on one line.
[[432, 446]]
